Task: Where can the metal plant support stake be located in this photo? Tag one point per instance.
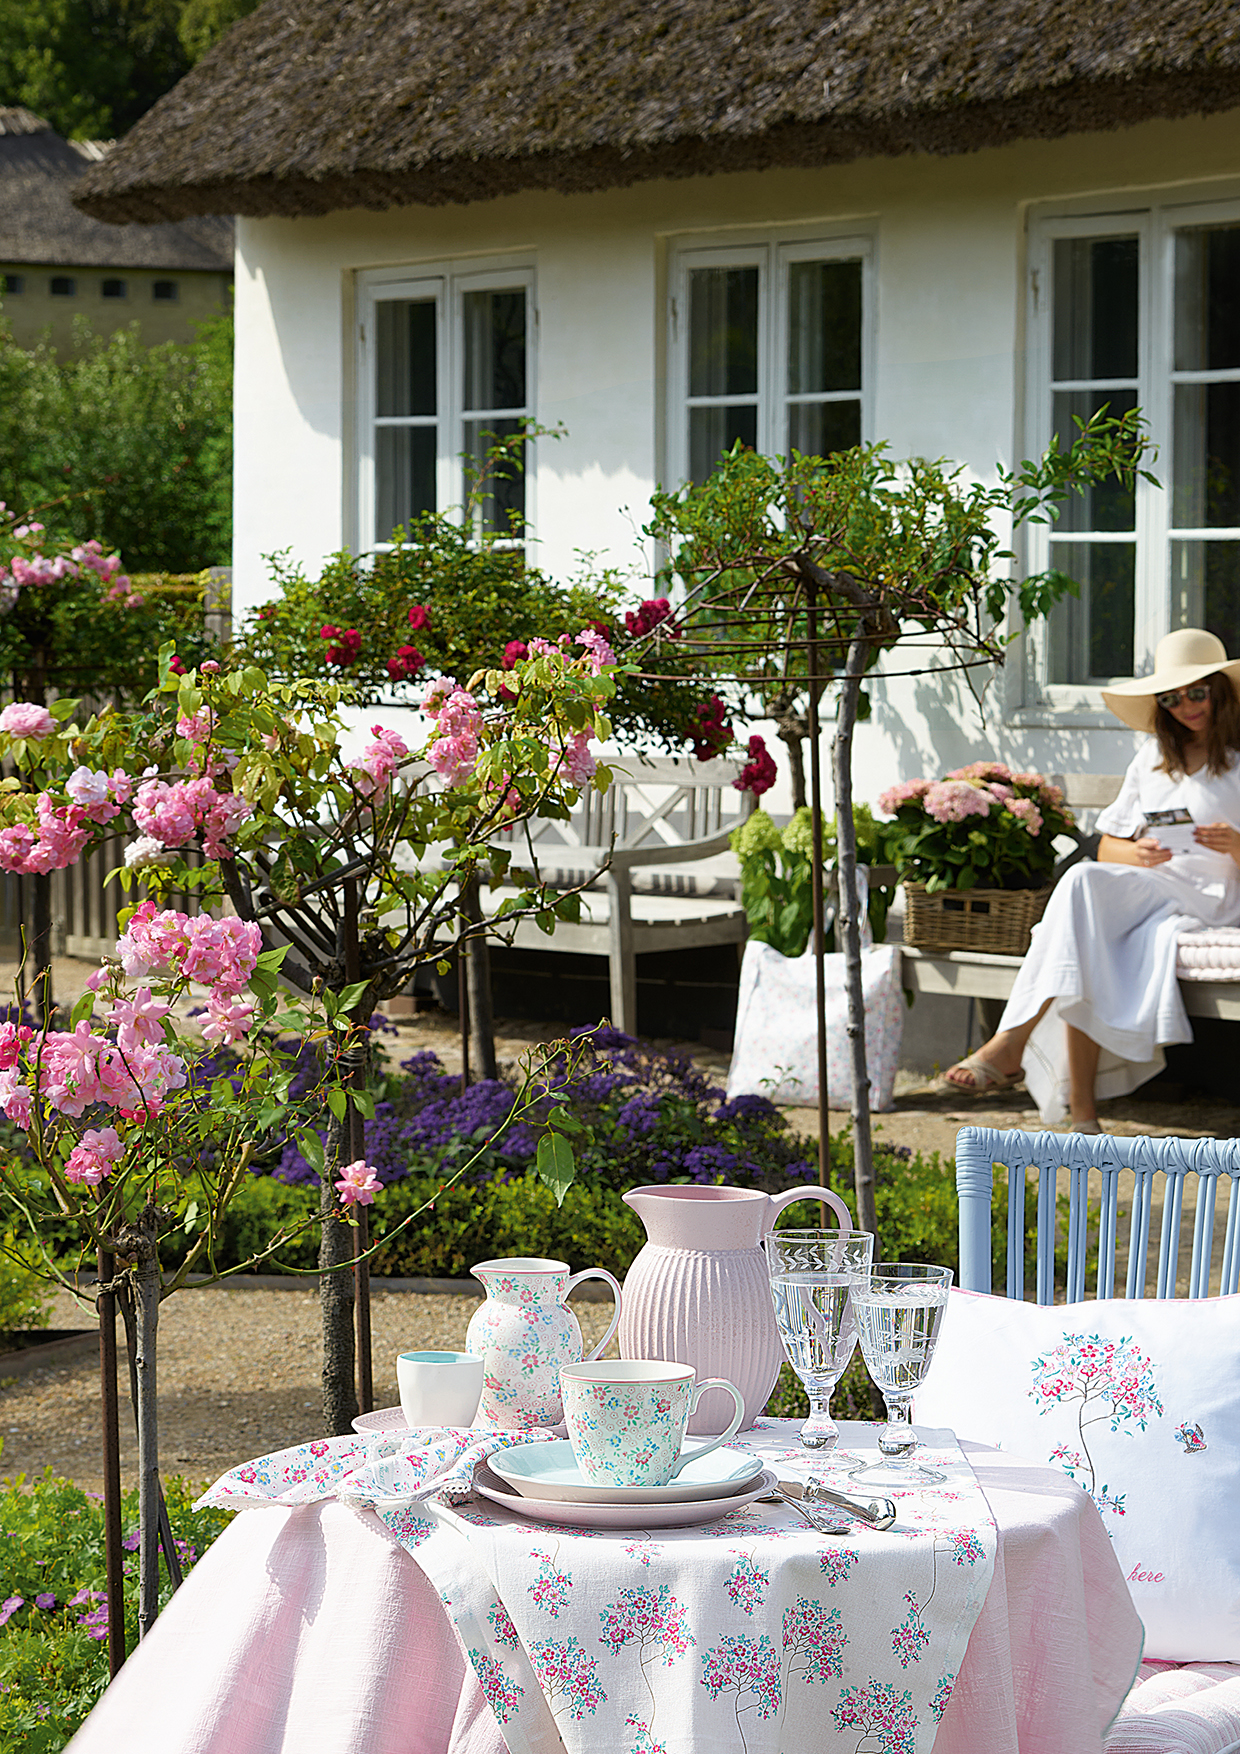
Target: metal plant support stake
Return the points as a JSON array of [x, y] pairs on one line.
[[113, 1552], [816, 881], [357, 1149]]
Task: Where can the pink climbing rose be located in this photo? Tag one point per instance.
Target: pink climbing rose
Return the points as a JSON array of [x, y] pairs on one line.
[[24, 719], [358, 1184]]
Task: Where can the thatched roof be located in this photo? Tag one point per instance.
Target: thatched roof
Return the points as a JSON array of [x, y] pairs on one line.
[[40, 224], [308, 106]]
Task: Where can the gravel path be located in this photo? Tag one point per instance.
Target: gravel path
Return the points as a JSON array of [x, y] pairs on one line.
[[238, 1377]]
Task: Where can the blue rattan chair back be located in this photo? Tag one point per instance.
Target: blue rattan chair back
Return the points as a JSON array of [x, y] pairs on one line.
[[979, 1150]]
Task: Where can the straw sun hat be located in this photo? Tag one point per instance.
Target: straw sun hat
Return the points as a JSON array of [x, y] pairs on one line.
[[1181, 658]]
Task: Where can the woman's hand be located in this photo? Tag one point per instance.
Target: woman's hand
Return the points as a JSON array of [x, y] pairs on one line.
[[1218, 837], [1145, 852]]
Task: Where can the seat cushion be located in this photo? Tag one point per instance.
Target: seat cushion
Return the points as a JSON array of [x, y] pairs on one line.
[[1212, 954], [1138, 1400], [1190, 1708]]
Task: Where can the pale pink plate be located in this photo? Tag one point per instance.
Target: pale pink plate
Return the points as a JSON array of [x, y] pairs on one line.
[[618, 1516]]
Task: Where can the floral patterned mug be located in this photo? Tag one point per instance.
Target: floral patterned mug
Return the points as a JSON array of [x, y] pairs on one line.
[[626, 1418]]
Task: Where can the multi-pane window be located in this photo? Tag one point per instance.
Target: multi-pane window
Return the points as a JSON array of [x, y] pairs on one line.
[[444, 372], [1142, 310], [768, 346]]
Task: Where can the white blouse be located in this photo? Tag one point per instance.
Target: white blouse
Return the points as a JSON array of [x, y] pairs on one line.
[[1206, 883]]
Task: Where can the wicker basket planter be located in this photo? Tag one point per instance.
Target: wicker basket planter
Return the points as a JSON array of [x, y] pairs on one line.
[[995, 920]]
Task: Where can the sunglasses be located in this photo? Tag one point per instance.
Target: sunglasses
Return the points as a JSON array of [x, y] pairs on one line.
[[1196, 695]]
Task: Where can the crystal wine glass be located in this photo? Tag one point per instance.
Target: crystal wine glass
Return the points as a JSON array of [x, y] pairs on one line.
[[812, 1275], [899, 1312]]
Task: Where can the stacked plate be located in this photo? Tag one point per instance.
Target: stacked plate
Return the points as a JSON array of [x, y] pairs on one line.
[[543, 1481]]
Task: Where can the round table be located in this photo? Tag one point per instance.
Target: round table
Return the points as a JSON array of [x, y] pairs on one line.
[[312, 1631]]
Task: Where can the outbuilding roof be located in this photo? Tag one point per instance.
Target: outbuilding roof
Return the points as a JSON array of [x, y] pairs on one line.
[[308, 106], [40, 224]]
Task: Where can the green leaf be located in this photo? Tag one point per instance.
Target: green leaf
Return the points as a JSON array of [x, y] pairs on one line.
[[348, 996], [337, 1102], [311, 1148], [364, 1103], [565, 1119], [555, 1164], [83, 1009]]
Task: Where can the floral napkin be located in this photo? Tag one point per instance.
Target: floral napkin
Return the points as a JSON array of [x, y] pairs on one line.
[[405, 1467]]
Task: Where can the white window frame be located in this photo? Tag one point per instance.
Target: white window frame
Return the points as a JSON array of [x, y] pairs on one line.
[[772, 253], [447, 284], [1155, 224]]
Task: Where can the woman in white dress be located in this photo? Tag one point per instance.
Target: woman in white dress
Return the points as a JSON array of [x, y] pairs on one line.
[[1097, 999]]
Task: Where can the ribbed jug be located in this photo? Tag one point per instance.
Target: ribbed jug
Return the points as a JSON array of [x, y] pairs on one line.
[[699, 1292]]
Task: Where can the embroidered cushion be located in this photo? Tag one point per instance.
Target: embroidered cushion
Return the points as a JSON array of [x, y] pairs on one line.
[[1139, 1401]]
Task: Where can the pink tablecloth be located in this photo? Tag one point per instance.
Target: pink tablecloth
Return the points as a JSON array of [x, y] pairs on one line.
[[312, 1632]]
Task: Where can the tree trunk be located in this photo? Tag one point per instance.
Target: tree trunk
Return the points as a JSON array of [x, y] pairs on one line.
[[336, 1293], [791, 735], [863, 1149], [146, 1285], [477, 955]]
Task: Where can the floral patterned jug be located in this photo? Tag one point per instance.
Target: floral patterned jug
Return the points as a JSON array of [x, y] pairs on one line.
[[525, 1334]]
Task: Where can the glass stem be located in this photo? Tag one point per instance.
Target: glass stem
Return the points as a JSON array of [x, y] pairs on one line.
[[819, 1432], [896, 1438]]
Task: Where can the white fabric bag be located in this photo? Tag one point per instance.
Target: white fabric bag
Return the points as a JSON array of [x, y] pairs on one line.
[[776, 1046]]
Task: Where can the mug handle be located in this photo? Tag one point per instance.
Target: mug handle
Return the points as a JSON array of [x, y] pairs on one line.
[[597, 1273], [704, 1449]]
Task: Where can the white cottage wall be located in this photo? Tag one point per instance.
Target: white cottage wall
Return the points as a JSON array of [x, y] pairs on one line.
[[948, 237]]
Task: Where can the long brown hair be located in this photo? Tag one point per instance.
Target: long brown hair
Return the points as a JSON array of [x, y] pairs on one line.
[[1222, 737]]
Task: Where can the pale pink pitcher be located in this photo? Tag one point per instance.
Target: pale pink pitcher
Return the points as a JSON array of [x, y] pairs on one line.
[[699, 1291]]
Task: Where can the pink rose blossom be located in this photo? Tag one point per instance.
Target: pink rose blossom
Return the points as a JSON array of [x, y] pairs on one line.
[[15, 1098], [599, 651], [577, 762], [358, 1184], [138, 1019], [13, 1038], [229, 1019], [95, 1156], [24, 719]]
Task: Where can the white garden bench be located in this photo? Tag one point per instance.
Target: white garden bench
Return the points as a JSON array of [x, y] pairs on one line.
[[1209, 966], [654, 856]]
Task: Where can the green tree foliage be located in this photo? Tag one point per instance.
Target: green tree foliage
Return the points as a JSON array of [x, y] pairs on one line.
[[129, 444], [92, 67], [451, 595]]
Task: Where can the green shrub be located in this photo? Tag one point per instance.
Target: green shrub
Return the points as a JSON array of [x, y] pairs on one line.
[[53, 1653], [25, 1297]]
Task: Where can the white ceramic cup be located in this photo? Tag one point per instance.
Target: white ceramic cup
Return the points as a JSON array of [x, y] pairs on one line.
[[439, 1388], [626, 1419]]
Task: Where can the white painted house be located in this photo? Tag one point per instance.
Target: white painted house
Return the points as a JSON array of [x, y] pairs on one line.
[[664, 226]]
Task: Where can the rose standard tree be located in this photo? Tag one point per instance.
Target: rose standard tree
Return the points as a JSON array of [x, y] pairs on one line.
[[316, 844], [799, 570]]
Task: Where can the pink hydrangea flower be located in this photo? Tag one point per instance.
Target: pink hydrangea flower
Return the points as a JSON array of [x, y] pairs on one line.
[[1026, 811], [955, 800], [24, 719], [358, 1184], [905, 792]]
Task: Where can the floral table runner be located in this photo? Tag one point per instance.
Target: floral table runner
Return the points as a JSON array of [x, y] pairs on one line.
[[752, 1634]]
